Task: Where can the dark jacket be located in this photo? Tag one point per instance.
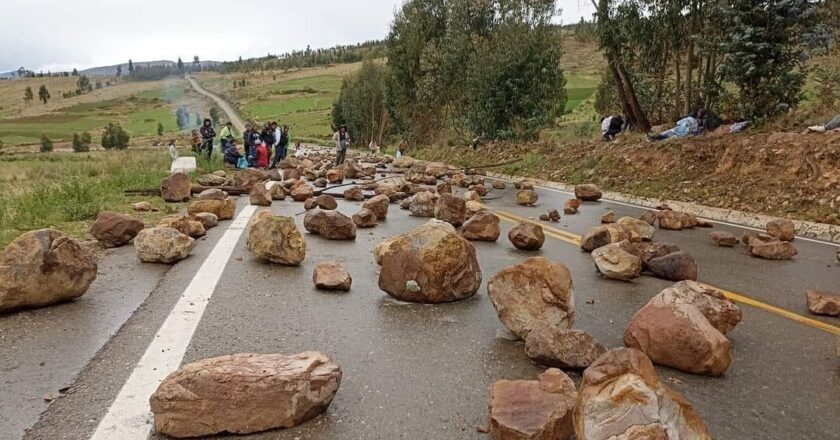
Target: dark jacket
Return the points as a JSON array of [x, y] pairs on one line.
[[267, 136], [232, 155], [207, 132]]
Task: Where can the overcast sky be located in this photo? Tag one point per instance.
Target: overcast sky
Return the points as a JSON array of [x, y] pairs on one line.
[[63, 34]]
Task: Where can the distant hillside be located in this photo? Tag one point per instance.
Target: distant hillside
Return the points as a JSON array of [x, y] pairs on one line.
[[112, 70]]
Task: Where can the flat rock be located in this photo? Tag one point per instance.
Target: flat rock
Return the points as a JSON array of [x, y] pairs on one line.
[[212, 194], [823, 303], [533, 293], [244, 393], [162, 245], [613, 261], [562, 348], [723, 238], [330, 275], [141, 206], [211, 180], [533, 409]]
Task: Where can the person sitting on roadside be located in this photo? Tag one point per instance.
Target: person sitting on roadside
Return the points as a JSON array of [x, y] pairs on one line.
[[342, 141], [261, 156], [207, 136], [195, 141], [232, 154], [707, 121], [833, 124], [686, 126], [611, 126], [226, 135]]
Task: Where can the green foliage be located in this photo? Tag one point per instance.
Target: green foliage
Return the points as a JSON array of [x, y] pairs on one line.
[[182, 118], [81, 144], [27, 95], [160, 129], [361, 104], [307, 58], [488, 68], [114, 137], [44, 94], [83, 84], [46, 144], [77, 142], [214, 115]]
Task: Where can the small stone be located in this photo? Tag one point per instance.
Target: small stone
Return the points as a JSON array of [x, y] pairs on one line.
[[365, 218], [554, 215], [527, 236], [772, 250], [331, 276], [723, 238], [781, 228], [207, 219], [823, 303], [544, 217], [142, 206], [498, 184], [571, 206], [212, 194], [526, 197]]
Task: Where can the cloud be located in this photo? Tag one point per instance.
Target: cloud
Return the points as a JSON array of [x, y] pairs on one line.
[[59, 34]]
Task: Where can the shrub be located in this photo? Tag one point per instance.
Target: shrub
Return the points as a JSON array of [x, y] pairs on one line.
[[46, 144], [114, 137]]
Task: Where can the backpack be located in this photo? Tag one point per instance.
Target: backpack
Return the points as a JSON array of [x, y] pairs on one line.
[[242, 163]]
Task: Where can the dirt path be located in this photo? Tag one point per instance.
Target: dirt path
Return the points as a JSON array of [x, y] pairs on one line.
[[227, 108]]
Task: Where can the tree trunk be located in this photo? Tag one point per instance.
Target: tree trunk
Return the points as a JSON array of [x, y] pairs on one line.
[[642, 123], [678, 74], [689, 68]]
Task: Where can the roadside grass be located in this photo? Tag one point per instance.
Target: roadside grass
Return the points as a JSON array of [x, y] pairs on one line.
[[67, 190]]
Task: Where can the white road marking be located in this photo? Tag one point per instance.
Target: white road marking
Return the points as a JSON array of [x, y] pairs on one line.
[[129, 417], [734, 225]]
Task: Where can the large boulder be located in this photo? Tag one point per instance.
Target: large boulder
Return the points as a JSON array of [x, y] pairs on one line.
[[249, 177], [260, 195], [162, 245], [526, 197], [354, 194], [621, 398], [451, 209], [365, 218], [211, 180], [533, 293], [113, 229], [302, 193], [781, 228], [482, 226], [176, 188], [533, 409], [330, 275], [326, 201], [276, 239], [276, 190], [43, 267], [675, 266], [429, 264], [527, 236], [823, 303], [649, 250], [639, 227], [562, 348], [772, 250], [378, 205], [212, 194], [615, 262], [588, 192], [603, 235], [422, 204], [244, 393], [330, 224], [224, 209], [403, 162], [683, 327]]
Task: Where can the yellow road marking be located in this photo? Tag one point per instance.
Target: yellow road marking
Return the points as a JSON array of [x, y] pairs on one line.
[[568, 237]]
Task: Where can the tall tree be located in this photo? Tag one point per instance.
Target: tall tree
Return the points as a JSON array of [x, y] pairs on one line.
[[75, 72], [44, 94], [130, 66], [196, 63], [27, 95], [361, 104], [180, 65]]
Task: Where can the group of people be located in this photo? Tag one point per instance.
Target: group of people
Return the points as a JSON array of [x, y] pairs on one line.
[[264, 147]]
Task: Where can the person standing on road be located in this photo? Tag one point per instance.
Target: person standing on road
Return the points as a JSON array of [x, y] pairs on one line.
[[226, 136], [342, 141], [207, 136], [281, 149]]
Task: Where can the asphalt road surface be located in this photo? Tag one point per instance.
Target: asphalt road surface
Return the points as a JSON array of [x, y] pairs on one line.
[[411, 371]]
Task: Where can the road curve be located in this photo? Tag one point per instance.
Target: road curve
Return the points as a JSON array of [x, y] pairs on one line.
[[232, 115]]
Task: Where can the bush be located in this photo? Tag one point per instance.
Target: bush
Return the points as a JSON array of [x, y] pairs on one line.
[[114, 137], [46, 144], [81, 144]]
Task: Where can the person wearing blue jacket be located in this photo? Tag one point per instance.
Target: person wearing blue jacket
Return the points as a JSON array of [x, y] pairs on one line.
[[687, 126]]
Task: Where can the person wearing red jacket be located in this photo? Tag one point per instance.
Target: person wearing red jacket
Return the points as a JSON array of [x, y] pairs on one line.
[[262, 155]]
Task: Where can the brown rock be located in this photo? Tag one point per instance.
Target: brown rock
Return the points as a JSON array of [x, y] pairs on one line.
[[302, 193], [587, 192], [608, 217], [533, 409], [621, 398], [320, 182], [207, 219], [498, 184], [291, 173], [276, 190], [451, 209], [571, 206], [723, 238], [648, 251], [524, 184], [637, 227], [276, 239], [527, 236], [211, 180], [354, 194], [224, 209], [482, 226], [471, 196], [180, 223], [162, 245], [676, 220], [331, 276], [379, 206], [683, 327], [43, 267], [310, 204], [598, 236], [212, 194], [337, 226], [249, 177], [474, 207], [562, 348], [481, 190], [772, 250], [422, 204], [326, 201], [675, 266], [444, 188], [554, 215], [613, 261], [526, 197], [365, 218], [335, 175], [429, 264], [260, 195], [113, 229], [781, 228], [544, 217], [533, 293], [176, 188], [244, 393], [649, 217], [142, 206], [823, 303]]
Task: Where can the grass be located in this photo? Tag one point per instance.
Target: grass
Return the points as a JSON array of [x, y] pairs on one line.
[[67, 190]]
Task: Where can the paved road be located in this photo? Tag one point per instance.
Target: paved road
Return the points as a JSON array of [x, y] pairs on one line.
[[410, 371]]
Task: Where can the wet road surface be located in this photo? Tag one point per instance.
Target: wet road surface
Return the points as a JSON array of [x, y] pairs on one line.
[[415, 371]]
